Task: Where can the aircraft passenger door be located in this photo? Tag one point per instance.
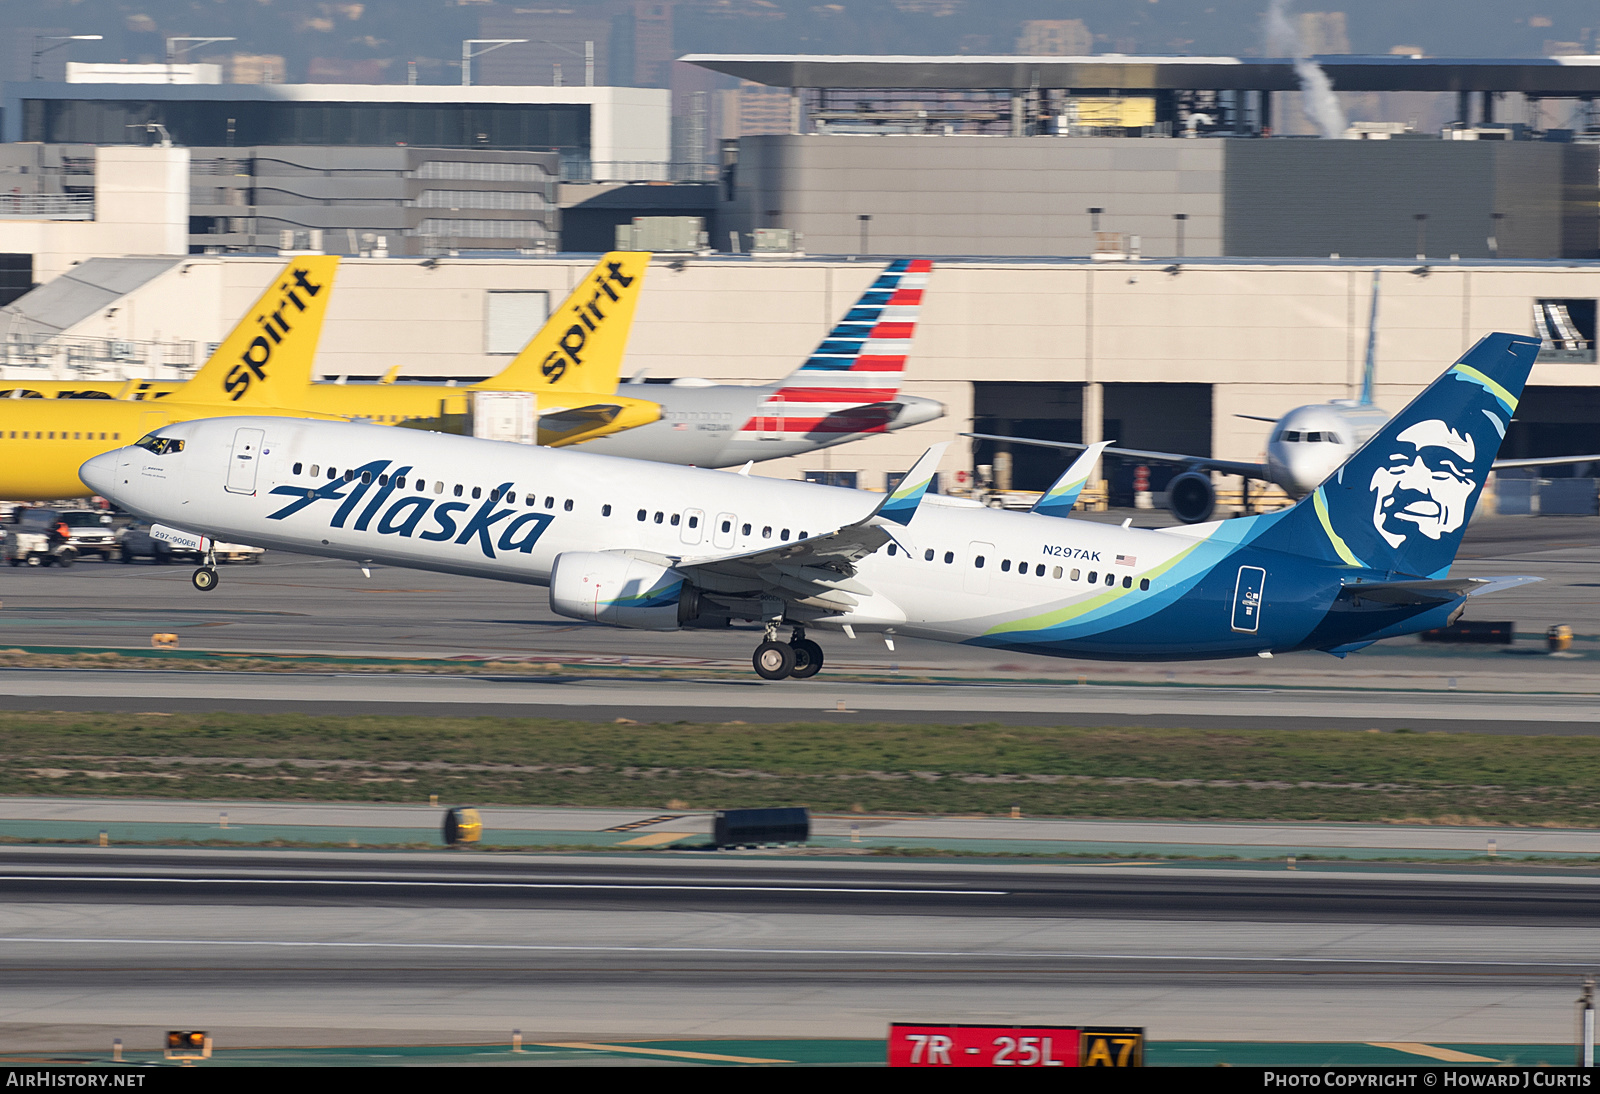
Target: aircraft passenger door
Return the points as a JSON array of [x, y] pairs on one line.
[[693, 528], [1247, 599], [244, 460], [980, 561], [722, 535]]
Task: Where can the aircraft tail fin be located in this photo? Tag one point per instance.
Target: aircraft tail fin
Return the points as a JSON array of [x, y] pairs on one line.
[[1370, 367], [266, 359], [581, 345], [1060, 498], [863, 359], [1401, 503]]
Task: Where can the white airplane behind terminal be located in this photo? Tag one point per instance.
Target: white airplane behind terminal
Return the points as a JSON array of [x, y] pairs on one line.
[[1304, 447], [646, 545]]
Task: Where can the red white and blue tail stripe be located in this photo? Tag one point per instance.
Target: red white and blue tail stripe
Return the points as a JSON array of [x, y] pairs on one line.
[[849, 383]]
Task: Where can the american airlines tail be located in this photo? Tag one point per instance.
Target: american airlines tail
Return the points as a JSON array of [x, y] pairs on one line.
[[266, 360], [849, 383], [580, 347]]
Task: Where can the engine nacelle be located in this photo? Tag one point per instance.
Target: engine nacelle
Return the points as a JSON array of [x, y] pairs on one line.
[[603, 587], [1191, 497]]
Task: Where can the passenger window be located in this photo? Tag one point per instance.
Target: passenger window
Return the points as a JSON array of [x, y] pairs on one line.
[[458, 490], [494, 495], [531, 500], [766, 532], [1127, 583], [477, 492], [659, 515], [784, 535], [1073, 576], [1056, 573], [1144, 584], [674, 521], [567, 505], [694, 522], [383, 480], [333, 472], [605, 510], [1038, 571], [1094, 577], [400, 483], [643, 514], [366, 478], [978, 562], [891, 550], [297, 469], [727, 525], [949, 557], [1005, 565], [927, 556], [438, 487], [350, 476], [1111, 579], [746, 530], [802, 535]]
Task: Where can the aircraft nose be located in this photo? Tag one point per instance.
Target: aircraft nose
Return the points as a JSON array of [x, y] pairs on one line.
[[100, 473]]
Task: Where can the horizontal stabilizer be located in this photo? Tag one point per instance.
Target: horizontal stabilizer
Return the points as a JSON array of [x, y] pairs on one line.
[[1440, 591]]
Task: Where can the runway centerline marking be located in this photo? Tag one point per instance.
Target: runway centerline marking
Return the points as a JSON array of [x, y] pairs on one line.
[[591, 886], [1031, 955]]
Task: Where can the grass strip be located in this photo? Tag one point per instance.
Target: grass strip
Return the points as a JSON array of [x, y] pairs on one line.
[[930, 769]]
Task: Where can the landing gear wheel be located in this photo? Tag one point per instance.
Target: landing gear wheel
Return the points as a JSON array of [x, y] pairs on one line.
[[773, 660], [807, 659], [205, 579]]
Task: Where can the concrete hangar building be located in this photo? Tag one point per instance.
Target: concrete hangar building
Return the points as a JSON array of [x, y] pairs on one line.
[[1159, 344]]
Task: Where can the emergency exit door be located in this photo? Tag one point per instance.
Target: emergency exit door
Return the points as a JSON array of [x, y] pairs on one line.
[[1247, 599]]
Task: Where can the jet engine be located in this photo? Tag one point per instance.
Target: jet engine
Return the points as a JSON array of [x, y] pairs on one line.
[[1191, 497], [605, 587]]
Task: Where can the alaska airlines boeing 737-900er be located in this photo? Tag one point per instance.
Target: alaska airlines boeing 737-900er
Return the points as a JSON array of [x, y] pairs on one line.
[[1365, 556]]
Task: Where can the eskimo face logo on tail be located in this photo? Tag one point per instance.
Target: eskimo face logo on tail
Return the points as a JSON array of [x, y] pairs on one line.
[[1426, 484], [253, 361], [590, 315]]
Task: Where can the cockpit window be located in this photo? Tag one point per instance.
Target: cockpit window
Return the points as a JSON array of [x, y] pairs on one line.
[[1289, 436], [158, 444]]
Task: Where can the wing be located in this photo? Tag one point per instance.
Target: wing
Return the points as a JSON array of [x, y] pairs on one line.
[[1193, 463], [819, 571]]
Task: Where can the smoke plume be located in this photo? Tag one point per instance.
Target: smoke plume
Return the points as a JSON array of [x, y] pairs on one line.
[[1320, 104]]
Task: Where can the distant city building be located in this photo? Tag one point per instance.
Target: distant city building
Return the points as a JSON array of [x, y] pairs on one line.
[[1055, 38]]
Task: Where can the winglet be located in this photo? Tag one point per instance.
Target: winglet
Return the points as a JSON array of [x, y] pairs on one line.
[[1060, 498], [901, 503]]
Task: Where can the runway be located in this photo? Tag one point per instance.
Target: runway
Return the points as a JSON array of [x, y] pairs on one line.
[[267, 948], [736, 698]]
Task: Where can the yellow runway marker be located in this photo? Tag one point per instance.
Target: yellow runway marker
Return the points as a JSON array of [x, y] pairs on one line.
[[678, 1053], [654, 839], [1434, 1052]]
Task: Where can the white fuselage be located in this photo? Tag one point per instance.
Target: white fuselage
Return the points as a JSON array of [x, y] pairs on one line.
[[550, 501]]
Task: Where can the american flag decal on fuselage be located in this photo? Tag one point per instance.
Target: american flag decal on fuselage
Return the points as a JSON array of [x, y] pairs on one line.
[[849, 383]]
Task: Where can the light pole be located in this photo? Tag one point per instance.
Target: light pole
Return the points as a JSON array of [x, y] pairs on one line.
[[490, 44], [174, 51], [1422, 235], [1180, 218], [587, 55], [59, 40], [865, 219]]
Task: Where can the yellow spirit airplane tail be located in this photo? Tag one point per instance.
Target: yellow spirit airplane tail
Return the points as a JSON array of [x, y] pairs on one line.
[[266, 359], [580, 347]]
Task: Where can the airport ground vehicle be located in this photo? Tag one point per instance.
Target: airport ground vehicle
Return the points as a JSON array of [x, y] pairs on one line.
[[23, 547], [1367, 555], [89, 532]]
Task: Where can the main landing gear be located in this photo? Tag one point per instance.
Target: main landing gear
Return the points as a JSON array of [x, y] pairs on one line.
[[799, 658]]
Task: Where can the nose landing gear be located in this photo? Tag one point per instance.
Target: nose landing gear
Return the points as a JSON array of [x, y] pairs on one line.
[[799, 658], [205, 578]]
